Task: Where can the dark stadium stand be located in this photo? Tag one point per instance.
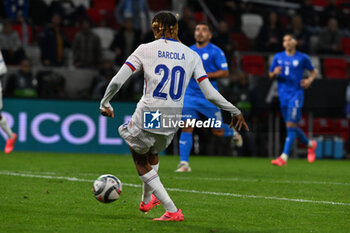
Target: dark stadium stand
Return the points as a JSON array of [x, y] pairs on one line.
[[254, 65], [335, 68]]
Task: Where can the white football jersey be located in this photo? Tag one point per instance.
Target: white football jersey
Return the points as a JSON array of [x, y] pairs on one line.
[[3, 68], [168, 66]]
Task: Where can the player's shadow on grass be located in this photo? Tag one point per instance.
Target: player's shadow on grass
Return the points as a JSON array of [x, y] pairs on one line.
[[187, 226], [117, 216]]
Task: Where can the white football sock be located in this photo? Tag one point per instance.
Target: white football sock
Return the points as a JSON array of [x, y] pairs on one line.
[[185, 162], [284, 157], [310, 144], [151, 179], [146, 190], [5, 127], [155, 167]]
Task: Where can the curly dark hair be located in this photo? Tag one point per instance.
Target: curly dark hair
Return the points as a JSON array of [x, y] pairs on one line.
[[164, 24]]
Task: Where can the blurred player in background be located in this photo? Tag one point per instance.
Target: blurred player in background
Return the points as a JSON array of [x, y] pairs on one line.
[[288, 68], [163, 59], [195, 103], [11, 137]]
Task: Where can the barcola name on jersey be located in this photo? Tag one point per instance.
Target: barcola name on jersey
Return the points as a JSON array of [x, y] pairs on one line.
[[171, 55], [209, 123]]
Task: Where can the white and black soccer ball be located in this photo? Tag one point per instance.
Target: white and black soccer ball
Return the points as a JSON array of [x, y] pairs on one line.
[[107, 188]]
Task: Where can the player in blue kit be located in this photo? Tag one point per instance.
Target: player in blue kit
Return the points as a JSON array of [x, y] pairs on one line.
[[195, 104], [288, 67]]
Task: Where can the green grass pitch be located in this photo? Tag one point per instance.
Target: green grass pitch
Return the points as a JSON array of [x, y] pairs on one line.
[[48, 192]]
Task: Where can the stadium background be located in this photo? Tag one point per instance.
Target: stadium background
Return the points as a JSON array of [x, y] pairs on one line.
[[56, 109]]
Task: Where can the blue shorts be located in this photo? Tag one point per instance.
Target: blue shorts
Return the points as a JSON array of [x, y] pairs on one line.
[[197, 107], [291, 114]]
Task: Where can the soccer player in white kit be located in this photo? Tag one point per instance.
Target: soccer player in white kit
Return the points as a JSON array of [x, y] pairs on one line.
[[11, 137], [168, 66]]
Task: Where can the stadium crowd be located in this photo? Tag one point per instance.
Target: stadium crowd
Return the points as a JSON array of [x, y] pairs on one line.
[[49, 43], [91, 34]]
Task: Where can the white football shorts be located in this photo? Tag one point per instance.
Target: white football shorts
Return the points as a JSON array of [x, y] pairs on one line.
[[0, 97], [142, 141]]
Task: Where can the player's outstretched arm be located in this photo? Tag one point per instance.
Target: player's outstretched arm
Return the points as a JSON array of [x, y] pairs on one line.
[[216, 98], [113, 87]]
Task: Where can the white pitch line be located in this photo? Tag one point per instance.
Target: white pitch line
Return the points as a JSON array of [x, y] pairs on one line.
[[182, 190], [235, 179], [262, 181], [57, 178], [260, 197]]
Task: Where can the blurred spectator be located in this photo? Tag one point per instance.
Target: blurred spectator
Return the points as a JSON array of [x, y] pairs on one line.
[[233, 7], [25, 30], [309, 15], [52, 43], [270, 35], [330, 38], [105, 33], [187, 36], [223, 40], [346, 31], [22, 83], [229, 10], [125, 42], [194, 5], [300, 33], [347, 113], [132, 89], [38, 12], [86, 47], [332, 11], [69, 12], [51, 84], [2, 12], [242, 94], [178, 5], [148, 37], [187, 25], [102, 80], [249, 7], [15, 8], [11, 45], [137, 10]]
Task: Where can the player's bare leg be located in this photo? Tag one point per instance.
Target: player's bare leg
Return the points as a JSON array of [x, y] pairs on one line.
[[186, 142], [150, 177]]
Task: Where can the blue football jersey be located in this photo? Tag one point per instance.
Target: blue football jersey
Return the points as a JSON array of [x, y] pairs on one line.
[[290, 92], [213, 59]]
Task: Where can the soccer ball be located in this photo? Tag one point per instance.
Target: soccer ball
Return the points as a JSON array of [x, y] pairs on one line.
[[107, 188]]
